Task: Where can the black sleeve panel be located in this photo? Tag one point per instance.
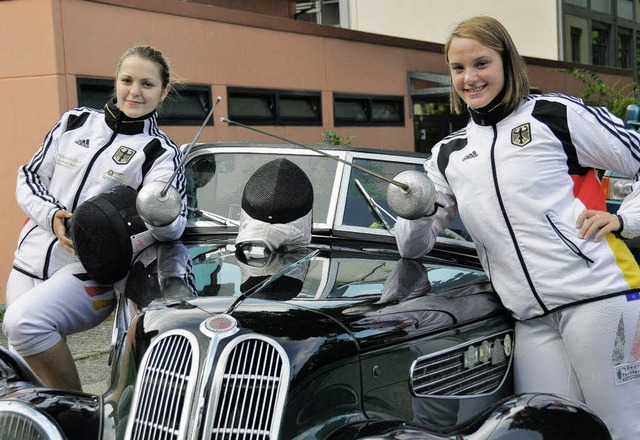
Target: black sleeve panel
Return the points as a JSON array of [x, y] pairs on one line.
[[445, 152], [152, 151], [77, 121], [554, 115]]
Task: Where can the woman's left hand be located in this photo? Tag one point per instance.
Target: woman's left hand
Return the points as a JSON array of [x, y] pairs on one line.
[[600, 223], [60, 229]]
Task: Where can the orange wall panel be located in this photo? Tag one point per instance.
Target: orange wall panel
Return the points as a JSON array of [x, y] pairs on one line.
[[30, 45], [29, 111]]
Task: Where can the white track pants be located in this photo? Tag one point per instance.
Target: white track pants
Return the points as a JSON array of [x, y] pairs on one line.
[[68, 302], [590, 352]]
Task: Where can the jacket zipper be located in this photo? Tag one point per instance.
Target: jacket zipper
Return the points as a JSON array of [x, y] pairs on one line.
[[45, 269], [571, 245], [506, 220]]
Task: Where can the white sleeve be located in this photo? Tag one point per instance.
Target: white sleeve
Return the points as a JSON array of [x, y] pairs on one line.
[[630, 211], [170, 232], [162, 171], [32, 185], [414, 237], [603, 142], [417, 237]]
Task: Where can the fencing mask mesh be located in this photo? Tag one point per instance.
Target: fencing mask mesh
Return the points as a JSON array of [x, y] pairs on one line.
[[101, 230], [278, 192], [277, 204]]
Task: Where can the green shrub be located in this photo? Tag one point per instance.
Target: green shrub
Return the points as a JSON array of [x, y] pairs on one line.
[[330, 137], [614, 97]]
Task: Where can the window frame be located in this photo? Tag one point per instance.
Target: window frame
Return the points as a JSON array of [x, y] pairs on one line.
[[90, 85], [275, 100], [576, 36], [86, 85], [600, 46], [368, 103], [624, 48], [319, 12]]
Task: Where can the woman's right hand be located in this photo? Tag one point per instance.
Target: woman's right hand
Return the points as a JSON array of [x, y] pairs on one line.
[[60, 229]]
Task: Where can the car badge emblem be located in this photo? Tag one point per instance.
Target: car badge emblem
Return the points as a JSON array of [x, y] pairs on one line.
[[220, 323], [123, 155], [521, 135]]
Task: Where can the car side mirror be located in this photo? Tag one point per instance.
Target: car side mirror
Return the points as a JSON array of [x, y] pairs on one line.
[[632, 116]]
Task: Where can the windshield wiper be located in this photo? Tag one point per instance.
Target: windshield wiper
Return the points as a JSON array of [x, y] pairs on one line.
[[215, 217], [275, 276], [377, 211], [374, 206]]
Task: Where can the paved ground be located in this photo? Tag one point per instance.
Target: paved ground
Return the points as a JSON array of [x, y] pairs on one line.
[[91, 353]]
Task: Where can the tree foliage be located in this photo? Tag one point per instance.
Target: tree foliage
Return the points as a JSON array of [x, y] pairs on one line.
[[614, 97], [331, 137]]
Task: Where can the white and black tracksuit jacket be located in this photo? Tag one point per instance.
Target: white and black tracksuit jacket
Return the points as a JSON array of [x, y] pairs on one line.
[[519, 184], [87, 153]]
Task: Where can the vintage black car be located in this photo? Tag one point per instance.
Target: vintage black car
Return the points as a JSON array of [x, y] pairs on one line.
[[340, 340]]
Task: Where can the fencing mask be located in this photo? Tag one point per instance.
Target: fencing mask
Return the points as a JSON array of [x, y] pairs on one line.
[[103, 230], [277, 204]]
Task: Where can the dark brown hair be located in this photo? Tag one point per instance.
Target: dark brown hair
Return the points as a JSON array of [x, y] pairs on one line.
[[151, 54]]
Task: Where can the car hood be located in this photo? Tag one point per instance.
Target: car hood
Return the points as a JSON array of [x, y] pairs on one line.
[[370, 322]]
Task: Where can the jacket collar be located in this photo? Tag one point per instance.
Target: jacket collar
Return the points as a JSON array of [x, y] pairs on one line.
[[121, 123], [491, 113]]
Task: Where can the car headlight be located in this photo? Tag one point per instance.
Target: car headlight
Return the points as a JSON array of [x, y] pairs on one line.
[[617, 188], [19, 420]]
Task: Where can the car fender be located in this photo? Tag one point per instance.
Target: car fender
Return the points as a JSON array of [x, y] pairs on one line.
[[520, 417]]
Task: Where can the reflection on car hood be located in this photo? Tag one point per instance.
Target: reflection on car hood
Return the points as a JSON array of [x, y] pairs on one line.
[[361, 293]]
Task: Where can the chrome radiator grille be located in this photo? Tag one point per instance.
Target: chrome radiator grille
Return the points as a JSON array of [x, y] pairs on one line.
[[165, 389], [477, 367], [18, 420], [251, 380]]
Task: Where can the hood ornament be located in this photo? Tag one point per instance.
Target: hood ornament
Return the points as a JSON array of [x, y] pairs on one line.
[[220, 323]]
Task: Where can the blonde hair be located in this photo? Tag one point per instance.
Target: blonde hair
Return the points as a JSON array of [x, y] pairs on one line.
[[492, 34]]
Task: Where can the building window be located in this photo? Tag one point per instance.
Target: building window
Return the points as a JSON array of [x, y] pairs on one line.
[[581, 3], [624, 50], [189, 105], [355, 110], [601, 6], [325, 12], [94, 92], [599, 45], [274, 107], [433, 121], [625, 9], [576, 33], [637, 57]]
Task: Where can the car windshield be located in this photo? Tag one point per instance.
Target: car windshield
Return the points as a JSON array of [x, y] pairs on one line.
[[215, 182], [344, 197], [358, 211]]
